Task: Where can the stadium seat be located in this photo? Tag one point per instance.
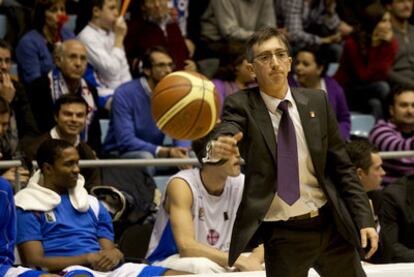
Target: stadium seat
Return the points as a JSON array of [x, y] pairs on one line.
[[3, 25], [161, 181], [332, 68], [104, 124], [361, 124], [71, 23]]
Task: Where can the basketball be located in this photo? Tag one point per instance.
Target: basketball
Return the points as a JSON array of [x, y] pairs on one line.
[[185, 105]]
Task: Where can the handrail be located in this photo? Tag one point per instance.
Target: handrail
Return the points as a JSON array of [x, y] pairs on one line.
[[169, 161], [158, 162]]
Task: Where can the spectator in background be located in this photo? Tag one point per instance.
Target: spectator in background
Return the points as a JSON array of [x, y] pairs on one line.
[[157, 28], [103, 38], [396, 134], [13, 92], [310, 72], [232, 74], [225, 21], [396, 219], [313, 22], [34, 50], [402, 71], [366, 60], [132, 130], [66, 78], [197, 215], [368, 164], [9, 145], [71, 112]]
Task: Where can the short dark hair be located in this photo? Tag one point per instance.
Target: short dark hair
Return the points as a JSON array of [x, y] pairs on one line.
[[319, 55], [397, 91], [69, 98], [50, 150], [40, 8], [235, 54], [263, 35], [5, 45], [86, 6], [386, 2], [359, 151], [146, 58], [4, 106]]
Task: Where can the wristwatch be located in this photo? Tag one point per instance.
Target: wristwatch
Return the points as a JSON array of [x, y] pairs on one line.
[[209, 153]]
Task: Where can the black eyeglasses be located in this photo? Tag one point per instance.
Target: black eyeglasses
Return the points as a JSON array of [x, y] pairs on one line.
[[267, 57]]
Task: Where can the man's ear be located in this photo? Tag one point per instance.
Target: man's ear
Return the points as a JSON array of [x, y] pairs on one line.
[[391, 110], [250, 68], [360, 173], [96, 12], [147, 72], [47, 169]]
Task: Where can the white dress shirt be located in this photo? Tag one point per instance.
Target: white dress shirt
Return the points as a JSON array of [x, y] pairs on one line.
[[311, 195], [109, 62]]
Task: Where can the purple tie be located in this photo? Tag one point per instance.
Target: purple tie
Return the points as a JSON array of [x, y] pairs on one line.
[[287, 158]]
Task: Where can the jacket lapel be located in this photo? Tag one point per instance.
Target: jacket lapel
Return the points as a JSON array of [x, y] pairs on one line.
[[263, 121], [310, 120]]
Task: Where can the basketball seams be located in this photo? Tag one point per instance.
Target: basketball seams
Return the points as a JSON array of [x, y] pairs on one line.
[[188, 114]]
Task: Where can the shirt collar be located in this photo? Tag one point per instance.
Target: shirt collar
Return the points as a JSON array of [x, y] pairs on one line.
[[55, 135], [272, 102]]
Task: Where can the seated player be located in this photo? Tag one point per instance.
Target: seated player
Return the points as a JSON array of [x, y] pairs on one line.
[[193, 228], [62, 228]]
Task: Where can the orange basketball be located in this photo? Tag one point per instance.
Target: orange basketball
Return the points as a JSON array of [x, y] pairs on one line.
[[185, 105]]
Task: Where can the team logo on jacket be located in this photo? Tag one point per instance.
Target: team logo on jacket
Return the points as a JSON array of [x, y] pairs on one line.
[[212, 236], [50, 217]]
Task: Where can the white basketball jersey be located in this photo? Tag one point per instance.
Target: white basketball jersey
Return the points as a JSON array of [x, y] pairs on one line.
[[213, 216]]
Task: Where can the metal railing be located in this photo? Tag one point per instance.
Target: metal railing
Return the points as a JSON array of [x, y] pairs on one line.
[[158, 162]]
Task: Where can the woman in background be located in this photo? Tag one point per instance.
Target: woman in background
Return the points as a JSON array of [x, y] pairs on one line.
[[232, 74], [35, 48], [310, 72], [366, 59]]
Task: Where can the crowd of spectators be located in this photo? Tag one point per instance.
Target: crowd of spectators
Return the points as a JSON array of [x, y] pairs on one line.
[[69, 79]]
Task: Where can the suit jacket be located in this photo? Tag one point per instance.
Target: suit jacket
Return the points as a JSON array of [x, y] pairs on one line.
[[246, 111], [397, 220]]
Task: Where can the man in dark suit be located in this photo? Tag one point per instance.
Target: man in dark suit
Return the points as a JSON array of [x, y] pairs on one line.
[[396, 218], [328, 216]]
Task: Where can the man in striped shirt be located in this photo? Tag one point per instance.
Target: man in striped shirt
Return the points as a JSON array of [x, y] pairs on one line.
[[396, 134]]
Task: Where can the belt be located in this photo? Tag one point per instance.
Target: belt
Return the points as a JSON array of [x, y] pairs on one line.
[[312, 214]]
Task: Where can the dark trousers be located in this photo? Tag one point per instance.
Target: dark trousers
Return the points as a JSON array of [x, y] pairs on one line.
[[293, 247]]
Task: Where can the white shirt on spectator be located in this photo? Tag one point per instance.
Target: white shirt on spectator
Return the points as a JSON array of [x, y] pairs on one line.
[[109, 62]]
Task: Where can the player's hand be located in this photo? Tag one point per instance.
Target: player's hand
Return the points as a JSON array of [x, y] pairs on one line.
[[248, 264], [7, 90], [108, 259], [49, 275], [91, 258], [225, 146], [369, 234]]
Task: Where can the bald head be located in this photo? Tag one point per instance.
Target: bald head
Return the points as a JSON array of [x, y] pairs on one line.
[[70, 57]]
